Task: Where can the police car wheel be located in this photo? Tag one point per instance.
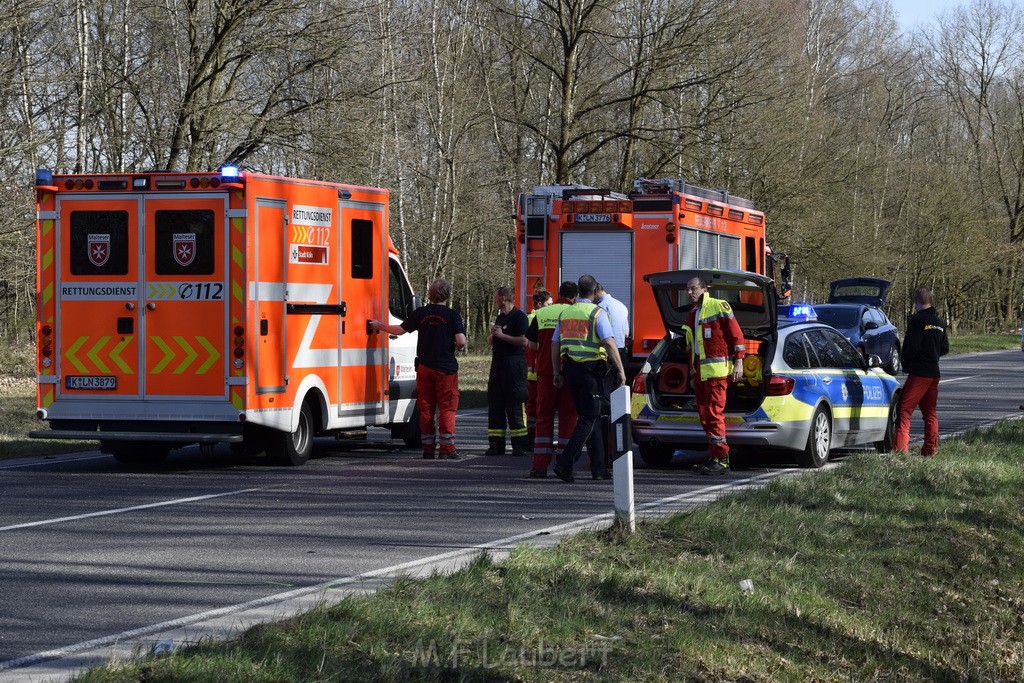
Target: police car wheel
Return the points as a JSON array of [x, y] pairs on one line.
[[655, 456], [293, 448], [885, 445], [819, 440]]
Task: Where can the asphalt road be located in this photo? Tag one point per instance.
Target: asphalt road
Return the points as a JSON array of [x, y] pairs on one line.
[[89, 548]]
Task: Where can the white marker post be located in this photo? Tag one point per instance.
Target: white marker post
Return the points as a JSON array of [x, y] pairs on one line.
[[622, 453]]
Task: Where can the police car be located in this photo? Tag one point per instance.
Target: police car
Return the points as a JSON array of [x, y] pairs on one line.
[[805, 388]]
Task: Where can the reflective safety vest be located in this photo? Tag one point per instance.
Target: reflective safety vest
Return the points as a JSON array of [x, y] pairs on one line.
[[715, 314], [578, 333], [547, 321]]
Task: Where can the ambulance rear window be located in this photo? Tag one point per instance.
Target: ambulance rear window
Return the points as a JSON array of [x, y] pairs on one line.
[[99, 242], [184, 242], [362, 249]]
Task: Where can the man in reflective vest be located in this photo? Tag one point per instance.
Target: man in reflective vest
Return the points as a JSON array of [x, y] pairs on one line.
[[550, 400], [716, 349], [581, 349]]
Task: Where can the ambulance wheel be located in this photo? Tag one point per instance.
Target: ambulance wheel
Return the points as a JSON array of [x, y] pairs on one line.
[[410, 431], [819, 440], [293, 449], [138, 452]]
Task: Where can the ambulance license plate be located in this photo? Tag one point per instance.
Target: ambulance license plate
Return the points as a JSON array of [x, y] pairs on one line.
[[593, 218], [90, 382]]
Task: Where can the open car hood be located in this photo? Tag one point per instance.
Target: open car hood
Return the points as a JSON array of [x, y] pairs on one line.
[[858, 290], [752, 297]]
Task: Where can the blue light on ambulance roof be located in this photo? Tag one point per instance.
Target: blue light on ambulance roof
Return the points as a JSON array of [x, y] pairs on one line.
[[44, 176], [805, 311], [228, 171]]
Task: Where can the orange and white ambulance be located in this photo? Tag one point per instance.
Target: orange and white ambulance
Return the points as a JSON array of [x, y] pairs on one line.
[[200, 308], [565, 231]]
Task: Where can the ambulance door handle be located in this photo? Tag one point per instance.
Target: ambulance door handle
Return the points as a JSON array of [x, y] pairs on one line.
[[151, 306]]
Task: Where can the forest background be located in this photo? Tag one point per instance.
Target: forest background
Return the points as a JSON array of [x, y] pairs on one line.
[[872, 150]]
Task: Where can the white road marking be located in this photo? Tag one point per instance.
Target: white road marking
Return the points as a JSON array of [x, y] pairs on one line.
[[117, 511], [956, 379]]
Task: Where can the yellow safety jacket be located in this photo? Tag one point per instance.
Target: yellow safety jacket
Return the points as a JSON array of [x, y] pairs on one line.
[[712, 352], [578, 333]]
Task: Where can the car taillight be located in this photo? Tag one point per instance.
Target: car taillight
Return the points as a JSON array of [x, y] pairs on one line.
[[780, 385], [639, 384]]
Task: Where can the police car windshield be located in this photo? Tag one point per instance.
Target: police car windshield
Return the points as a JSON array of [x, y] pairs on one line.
[[838, 317]]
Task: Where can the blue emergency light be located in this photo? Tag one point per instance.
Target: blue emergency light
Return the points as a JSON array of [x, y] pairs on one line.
[[805, 311], [229, 172], [44, 176]]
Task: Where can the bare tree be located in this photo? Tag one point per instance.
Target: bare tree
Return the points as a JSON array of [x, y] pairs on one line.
[[978, 64]]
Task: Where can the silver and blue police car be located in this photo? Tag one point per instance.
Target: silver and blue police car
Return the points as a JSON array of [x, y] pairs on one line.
[[805, 388]]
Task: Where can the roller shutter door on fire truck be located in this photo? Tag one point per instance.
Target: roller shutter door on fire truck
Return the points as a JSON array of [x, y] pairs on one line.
[[608, 256]]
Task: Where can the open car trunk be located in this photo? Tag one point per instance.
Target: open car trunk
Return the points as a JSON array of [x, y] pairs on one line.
[[753, 300], [671, 388]]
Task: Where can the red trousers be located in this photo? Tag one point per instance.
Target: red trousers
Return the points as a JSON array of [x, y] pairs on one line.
[[551, 400], [531, 405], [437, 391], [711, 410], [924, 392]]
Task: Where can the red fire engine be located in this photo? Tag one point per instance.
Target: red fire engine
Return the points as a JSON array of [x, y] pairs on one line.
[[565, 231]]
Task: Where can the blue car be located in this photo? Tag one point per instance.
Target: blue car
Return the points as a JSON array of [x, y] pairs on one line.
[[805, 388], [855, 308]]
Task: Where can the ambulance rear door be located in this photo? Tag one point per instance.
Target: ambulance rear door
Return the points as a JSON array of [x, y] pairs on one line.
[[184, 293], [97, 299], [364, 274]]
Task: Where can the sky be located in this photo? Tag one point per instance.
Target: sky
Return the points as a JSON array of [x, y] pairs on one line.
[[913, 12]]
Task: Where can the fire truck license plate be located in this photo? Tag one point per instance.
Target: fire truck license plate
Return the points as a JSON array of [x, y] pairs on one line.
[[90, 382], [593, 218]]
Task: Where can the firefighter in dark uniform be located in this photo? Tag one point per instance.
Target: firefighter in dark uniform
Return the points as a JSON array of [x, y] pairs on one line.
[[583, 352], [506, 384]]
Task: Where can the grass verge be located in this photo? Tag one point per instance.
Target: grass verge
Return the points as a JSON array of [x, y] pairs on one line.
[[971, 343], [891, 568]]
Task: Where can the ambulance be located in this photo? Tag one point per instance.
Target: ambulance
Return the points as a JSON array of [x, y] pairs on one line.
[[565, 231], [217, 307]]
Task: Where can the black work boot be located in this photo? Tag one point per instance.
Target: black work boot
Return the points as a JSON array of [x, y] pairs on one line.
[[713, 466]]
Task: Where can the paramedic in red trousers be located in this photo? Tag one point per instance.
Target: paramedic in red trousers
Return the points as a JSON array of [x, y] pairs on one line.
[[582, 347], [441, 332], [541, 298], [716, 347], [550, 400], [924, 343], [506, 384]]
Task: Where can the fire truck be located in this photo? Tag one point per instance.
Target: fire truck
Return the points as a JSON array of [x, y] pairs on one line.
[[565, 231], [217, 307]]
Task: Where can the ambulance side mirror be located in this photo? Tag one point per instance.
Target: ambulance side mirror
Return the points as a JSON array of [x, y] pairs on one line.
[[415, 303]]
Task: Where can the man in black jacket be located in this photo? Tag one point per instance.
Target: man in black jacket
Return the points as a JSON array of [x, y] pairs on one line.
[[924, 343]]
